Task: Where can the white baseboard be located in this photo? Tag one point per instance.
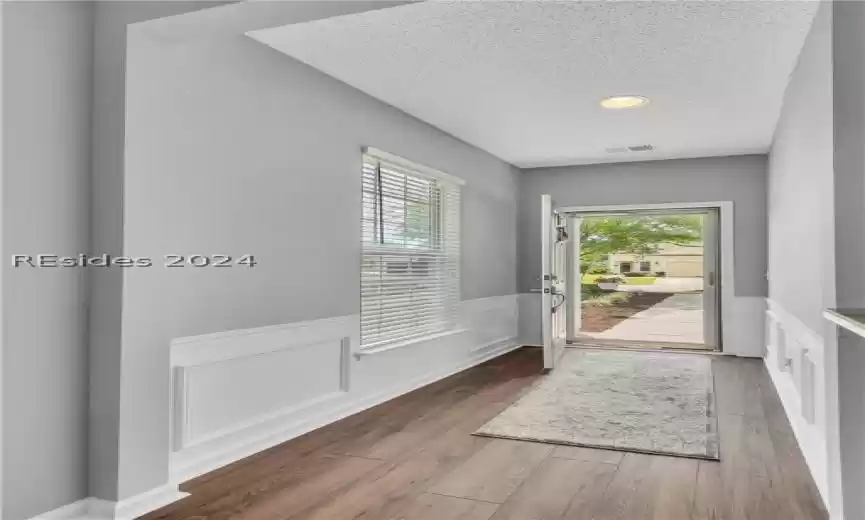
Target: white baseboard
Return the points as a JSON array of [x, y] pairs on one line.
[[795, 362], [129, 509], [74, 511], [144, 503]]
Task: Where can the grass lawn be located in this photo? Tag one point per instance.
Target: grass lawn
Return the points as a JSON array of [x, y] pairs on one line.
[[633, 280]]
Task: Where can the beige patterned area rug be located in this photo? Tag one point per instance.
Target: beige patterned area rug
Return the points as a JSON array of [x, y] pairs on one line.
[[646, 402]]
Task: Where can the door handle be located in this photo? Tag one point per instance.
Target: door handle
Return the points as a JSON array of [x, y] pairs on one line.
[[556, 307], [711, 278]]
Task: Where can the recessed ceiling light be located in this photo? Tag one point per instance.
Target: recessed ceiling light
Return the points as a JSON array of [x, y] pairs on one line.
[[616, 102]]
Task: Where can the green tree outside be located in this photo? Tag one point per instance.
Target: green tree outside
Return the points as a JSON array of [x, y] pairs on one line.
[[639, 235]]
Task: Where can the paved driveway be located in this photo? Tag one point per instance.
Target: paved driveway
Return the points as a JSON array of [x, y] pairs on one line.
[[677, 319]]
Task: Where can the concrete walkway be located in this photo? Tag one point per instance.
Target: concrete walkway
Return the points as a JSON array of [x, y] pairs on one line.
[[678, 319], [666, 285]]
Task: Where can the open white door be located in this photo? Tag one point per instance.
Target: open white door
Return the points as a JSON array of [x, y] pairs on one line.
[[711, 279], [553, 283]]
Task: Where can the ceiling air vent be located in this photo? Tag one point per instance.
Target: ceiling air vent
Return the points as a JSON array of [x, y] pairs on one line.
[[641, 148]]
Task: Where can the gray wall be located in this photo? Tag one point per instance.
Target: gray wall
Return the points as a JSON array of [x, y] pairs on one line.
[[802, 220], [47, 72], [235, 148], [106, 221], [801, 208], [739, 179], [849, 129]]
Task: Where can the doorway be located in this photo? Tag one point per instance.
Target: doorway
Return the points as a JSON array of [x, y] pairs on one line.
[[644, 278]]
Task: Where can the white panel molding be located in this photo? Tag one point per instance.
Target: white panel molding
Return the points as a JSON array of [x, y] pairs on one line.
[[197, 353], [743, 326], [530, 318], [492, 321], [487, 329], [795, 362]]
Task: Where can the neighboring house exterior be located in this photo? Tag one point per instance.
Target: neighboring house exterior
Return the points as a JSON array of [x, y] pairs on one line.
[[674, 260]]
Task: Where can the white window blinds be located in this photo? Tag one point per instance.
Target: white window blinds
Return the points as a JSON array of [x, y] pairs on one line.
[[410, 284]]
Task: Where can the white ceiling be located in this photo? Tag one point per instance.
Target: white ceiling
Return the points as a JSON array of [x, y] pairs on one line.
[[522, 80]]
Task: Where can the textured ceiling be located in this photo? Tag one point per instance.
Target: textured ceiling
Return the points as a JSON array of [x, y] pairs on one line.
[[522, 80]]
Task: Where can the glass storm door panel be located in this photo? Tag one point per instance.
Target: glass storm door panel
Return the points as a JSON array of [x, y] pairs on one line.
[[553, 283]]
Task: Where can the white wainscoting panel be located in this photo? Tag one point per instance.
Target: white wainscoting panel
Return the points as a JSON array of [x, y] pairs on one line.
[[239, 392], [491, 321], [743, 325], [221, 396], [226, 385], [795, 361], [530, 318]]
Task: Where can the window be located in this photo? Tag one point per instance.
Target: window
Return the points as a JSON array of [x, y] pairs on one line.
[[625, 267], [645, 266], [410, 284]]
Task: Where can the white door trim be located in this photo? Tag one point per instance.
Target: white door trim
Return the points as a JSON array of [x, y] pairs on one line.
[[711, 277], [727, 276], [645, 207], [574, 278]]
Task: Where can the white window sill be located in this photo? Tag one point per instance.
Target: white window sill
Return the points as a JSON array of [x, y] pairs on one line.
[[369, 351]]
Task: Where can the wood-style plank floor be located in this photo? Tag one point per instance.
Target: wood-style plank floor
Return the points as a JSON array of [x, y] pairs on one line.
[[414, 458]]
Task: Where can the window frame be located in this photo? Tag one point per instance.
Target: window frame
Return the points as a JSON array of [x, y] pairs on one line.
[[378, 248]]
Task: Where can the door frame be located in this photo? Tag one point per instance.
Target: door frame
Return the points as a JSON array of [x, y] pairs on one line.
[[573, 319], [726, 276]]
